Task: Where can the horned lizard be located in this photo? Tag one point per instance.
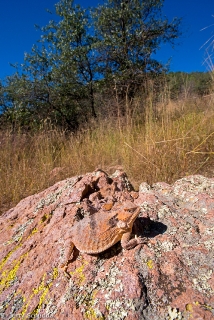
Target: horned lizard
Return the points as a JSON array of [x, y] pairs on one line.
[[101, 230]]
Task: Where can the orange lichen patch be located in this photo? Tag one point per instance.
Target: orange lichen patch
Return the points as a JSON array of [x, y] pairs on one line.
[[107, 206]]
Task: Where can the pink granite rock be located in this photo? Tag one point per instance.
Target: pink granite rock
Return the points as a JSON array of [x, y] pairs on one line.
[[170, 277]]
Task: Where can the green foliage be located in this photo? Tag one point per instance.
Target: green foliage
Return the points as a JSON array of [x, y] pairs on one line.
[[82, 53], [56, 82], [184, 85], [130, 32]]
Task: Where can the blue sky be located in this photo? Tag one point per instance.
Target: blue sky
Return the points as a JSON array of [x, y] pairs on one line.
[[18, 34]]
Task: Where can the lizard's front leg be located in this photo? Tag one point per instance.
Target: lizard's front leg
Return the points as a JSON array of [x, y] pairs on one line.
[[128, 243]]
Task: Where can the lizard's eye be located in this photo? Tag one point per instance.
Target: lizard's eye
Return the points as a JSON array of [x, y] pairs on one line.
[[121, 224]]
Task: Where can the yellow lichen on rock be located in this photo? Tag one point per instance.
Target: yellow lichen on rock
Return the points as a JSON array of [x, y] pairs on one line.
[[150, 264], [8, 276], [79, 272]]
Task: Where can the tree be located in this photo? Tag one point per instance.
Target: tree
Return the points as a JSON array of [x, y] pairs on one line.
[[56, 80], [130, 32], [14, 101], [112, 46], [71, 42]]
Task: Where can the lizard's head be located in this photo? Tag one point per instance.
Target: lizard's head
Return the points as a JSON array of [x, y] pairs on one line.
[[127, 217]]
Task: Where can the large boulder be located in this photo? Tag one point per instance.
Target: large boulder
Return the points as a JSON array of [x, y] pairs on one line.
[[169, 277]]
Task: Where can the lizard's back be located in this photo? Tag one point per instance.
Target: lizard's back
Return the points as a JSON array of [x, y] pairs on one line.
[[96, 233]]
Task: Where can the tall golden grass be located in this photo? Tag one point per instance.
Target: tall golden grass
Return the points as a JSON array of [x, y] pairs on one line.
[[176, 141]]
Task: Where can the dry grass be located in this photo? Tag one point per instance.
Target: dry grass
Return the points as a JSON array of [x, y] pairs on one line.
[[179, 142]]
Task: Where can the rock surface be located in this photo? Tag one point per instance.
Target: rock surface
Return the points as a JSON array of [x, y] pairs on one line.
[[170, 277]]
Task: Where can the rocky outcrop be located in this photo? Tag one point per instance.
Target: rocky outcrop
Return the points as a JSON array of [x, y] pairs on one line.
[[169, 277]]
